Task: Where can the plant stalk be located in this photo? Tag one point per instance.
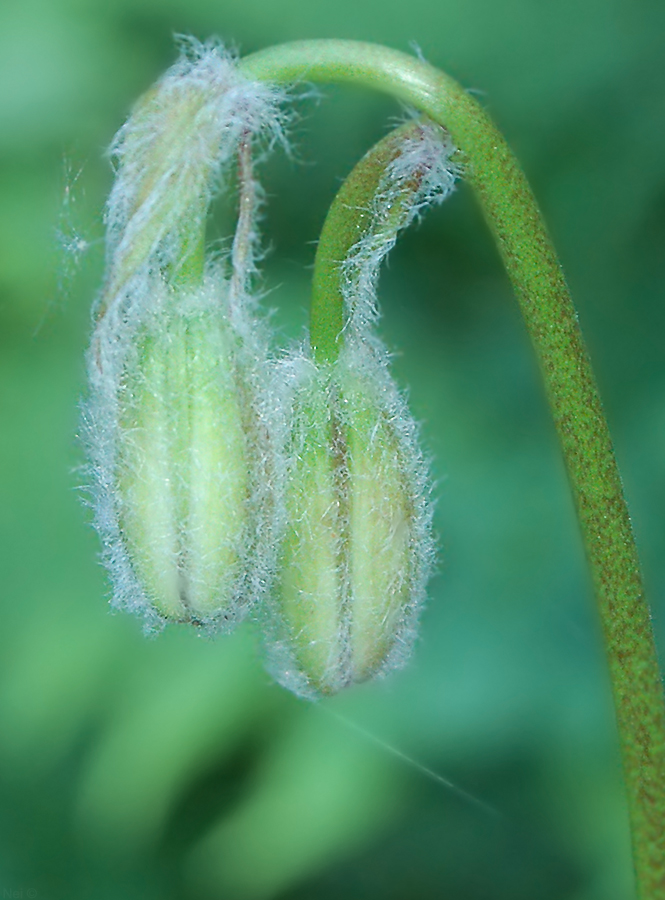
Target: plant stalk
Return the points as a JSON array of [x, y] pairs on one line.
[[513, 216]]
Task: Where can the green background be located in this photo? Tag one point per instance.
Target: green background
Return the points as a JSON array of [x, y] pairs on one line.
[[172, 768]]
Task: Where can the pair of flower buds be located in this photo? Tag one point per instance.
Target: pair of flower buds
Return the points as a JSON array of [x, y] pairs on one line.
[[229, 481]]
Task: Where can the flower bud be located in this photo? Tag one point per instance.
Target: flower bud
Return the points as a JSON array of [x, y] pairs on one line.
[[357, 547], [182, 465], [179, 452], [356, 551]]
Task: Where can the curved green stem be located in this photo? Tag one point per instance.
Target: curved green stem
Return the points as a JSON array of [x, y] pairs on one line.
[[513, 216], [348, 220]]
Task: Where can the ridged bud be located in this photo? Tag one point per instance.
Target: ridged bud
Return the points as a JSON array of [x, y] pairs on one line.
[[183, 463], [356, 548], [356, 551], [180, 456], [178, 444]]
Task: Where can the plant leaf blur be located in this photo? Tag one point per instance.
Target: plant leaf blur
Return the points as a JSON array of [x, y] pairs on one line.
[[171, 768]]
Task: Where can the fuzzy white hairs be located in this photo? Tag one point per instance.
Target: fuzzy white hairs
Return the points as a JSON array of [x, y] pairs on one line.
[[177, 363], [357, 548], [226, 480]]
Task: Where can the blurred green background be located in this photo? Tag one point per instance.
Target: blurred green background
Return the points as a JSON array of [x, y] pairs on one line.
[[172, 768]]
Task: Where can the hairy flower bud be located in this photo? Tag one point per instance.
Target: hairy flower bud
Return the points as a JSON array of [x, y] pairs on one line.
[[357, 549], [183, 465], [179, 450]]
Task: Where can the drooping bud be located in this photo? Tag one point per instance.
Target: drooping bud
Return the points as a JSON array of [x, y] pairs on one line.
[[357, 546], [186, 453], [173, 423], [356, 551]]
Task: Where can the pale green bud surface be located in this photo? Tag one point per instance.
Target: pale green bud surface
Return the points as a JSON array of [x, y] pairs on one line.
[[356, 546], [309, 588], [179, 444], [182, 466], [179, 452], [380, 531]]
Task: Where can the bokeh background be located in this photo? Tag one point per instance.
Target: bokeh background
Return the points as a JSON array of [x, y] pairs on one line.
[[172, 768]]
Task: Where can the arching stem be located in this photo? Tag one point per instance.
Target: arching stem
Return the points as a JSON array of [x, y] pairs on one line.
[[347, 222], [515, 220]]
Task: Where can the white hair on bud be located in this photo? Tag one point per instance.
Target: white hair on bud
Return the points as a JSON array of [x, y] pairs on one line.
[[171, 156], [361, 368], [420, 175], [105, 434]]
